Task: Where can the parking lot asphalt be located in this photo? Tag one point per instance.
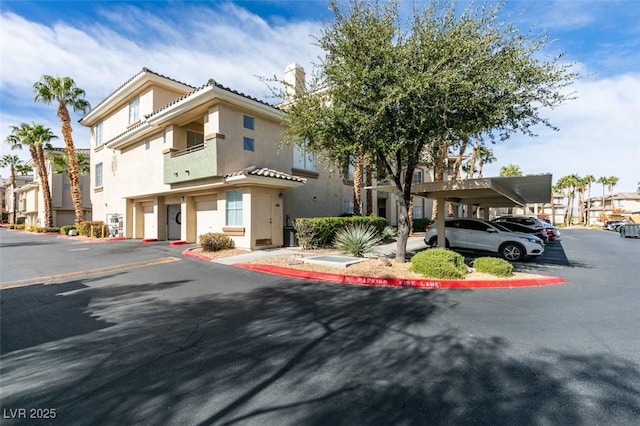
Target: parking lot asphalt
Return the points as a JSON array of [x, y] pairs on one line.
[[191, 342]]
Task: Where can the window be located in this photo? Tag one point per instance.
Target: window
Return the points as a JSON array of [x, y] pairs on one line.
[[249, 144], [98, 134], [248, 122], [417, 212], [134, 110], [98, 175], [304, 160], [147, 144], [348, 206], [417, 176], [234, 208], [194, 138]]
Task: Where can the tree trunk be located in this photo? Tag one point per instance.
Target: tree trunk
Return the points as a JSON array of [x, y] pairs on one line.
[[369, 183], [458, 164], [44, 185], [410, 216], [74, 172], [438, 175], [472, 160], [403, 228], [357, 186], [587, 219], [12, 182]]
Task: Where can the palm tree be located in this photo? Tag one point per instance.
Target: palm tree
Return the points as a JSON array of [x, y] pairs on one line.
[[37, 138], [61, 161], [24, 169], [485, 156], [581, 186], [13, 162], [611, 182], [570, 182], [64, 91], [603, 180], [588, 180], [510, 170]]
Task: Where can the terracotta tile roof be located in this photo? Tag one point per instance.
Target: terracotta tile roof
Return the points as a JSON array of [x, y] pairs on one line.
[[210, 83], [82, 151], [265, 172], [133, 78]]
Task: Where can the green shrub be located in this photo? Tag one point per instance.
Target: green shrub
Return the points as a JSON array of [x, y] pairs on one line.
[[357, 239], [389, 233], [65, 229], [214, 241], [494, 266], [16, 226], [99, 229], [313, 232], [439, 263], [419, 225]]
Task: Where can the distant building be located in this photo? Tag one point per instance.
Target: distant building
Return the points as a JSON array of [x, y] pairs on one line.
[[615, 206], [10, 198], [31, 199]]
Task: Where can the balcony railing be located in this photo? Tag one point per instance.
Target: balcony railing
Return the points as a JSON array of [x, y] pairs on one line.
[[191, 163]]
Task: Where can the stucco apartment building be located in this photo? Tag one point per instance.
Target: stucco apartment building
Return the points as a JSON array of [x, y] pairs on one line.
[[616, 206], [170, 161], [31, 198], [10, 198]]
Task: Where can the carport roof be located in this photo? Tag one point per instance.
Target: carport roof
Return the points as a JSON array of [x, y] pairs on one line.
[[488, 192]]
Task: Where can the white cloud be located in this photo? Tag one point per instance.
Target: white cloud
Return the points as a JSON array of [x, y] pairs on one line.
[[599, 131], [599, 135]]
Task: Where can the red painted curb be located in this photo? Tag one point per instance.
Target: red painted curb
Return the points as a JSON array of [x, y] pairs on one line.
[[190, 253], [177, 243], [398, 282], [149, 240]]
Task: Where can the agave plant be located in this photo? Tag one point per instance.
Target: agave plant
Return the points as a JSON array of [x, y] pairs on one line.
[[357, 240]]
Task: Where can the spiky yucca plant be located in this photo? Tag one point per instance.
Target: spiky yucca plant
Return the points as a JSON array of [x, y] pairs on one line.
[[357, 240]]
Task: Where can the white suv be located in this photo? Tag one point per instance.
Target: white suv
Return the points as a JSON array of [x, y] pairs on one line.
[[481, 235]]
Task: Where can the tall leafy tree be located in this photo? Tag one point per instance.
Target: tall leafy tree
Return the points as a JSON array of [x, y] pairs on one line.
[[398, 92], [64, 91], [13, 162]]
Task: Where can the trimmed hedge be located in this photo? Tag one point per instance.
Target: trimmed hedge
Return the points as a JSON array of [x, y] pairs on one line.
[[41, 230], [314, 232], [419, 225], [214, 241], [494, 266], [64, 230], [439, 263]]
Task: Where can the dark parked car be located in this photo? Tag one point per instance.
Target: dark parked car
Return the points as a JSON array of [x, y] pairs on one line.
[[540, 233]]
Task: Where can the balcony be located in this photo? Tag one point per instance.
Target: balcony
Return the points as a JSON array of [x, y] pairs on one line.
[[192, 163]]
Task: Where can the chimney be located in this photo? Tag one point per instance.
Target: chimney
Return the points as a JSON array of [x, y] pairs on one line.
[[294, 79]]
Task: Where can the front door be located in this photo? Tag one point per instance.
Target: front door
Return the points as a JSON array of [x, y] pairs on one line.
[[264, 220], [173, 221]]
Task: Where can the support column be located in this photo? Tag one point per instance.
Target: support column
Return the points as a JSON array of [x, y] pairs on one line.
[[129, 219], [469, 208], [161, 216], [188, 226], [138, 227], [440, 221]]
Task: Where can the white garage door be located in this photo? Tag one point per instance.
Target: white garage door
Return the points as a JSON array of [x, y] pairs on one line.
[[150, 228], [205, 217]]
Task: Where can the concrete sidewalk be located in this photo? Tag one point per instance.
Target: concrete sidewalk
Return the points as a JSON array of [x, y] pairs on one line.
[[414, 244]]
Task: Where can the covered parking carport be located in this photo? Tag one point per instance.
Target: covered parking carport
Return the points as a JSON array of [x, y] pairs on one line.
[[482, 193]]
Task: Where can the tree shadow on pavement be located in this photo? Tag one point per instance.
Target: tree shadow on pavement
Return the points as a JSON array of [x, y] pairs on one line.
[[312, 354]]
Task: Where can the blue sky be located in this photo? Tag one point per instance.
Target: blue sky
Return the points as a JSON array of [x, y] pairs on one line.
[[101, 44]]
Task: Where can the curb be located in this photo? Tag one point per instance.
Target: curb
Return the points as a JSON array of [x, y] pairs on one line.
[[398, 282], [149, 240], [177, 243], [190, 253]]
